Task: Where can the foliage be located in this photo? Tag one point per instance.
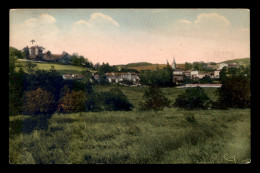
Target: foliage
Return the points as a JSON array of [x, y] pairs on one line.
[[94, 102], [223, 74], [188, 66], [16, 53], [159, 77], [206, 80], [154, 99], [15, 83], [38, 101], [234, 92], [47, 80], [106, 68], [30, 67], [135, 137], [193, 98], [78, 60], [72, 101], [116, 100]]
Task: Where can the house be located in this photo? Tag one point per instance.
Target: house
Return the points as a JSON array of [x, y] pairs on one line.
[[203, 74], [222, 65], [201, 85], [232, 65], [52, 57], [187, 73], [194, 73], [72, 76], [178, 75], [216, 73]]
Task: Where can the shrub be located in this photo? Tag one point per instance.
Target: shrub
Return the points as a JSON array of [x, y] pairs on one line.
[[155, 99], [73, 101], [94, 102], [193, 98], [38, 102], [116, 100]]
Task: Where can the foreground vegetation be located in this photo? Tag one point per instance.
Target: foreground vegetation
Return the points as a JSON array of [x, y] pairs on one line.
[[169, 136]]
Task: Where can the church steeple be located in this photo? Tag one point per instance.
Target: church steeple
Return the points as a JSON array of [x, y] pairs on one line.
[[174, 64]]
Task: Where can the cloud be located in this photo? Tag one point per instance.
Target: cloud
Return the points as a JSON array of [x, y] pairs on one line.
[[183, 21], [211, 22], [83, 22], [98, 20]]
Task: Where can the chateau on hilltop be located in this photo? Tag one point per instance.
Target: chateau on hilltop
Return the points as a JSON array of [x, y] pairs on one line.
[[36, 53]]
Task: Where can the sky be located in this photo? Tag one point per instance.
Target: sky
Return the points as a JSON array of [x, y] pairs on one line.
[[121, 36]]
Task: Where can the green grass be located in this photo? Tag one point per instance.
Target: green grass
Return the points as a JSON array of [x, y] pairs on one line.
[[62, 69], [163, 137]]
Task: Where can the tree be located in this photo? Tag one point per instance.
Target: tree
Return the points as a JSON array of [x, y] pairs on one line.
[[223, 74], [15, 83], [38, 101], [234, 92], [154, 99], [188, 66], [193, 98], [159, 77], [72, 101], [16, 53], [30, 67], [50, 81], [206, 80], [48, 53]]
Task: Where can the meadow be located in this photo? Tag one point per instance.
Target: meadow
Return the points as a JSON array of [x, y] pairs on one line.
[[170, 136]]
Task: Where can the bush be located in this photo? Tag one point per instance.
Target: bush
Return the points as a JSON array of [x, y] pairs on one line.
[[38, 102], [73, 101], [193, 98], [116, 100], [234, 92], [155, 99]]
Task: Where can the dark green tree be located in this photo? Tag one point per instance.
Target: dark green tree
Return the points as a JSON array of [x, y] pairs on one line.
[[234, 92], [154, 99], [115, 100], [193, 98]]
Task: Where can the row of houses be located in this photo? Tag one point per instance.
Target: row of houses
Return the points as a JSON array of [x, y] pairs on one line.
[[116, 77]]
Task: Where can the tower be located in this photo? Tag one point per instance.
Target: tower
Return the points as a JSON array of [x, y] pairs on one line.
[[174, 64]]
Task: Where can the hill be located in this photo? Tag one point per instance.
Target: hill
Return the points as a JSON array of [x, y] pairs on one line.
[[244, 61], [153, 67]]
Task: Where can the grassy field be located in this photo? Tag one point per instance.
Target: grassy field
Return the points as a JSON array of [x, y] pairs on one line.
[[62, 69], [169, 136]]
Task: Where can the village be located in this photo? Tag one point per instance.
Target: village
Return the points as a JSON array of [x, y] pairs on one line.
[[179, 74]]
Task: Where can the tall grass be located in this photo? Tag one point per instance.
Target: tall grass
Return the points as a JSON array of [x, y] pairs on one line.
[[136, 137]]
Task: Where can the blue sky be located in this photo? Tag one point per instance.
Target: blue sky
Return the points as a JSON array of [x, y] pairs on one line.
[[120, 36]]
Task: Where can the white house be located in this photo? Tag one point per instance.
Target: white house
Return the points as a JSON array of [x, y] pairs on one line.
[[194, 73], [216, 73]]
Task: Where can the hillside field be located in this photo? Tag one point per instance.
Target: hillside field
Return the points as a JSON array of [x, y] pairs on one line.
[[169, 136], [62, 69]]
